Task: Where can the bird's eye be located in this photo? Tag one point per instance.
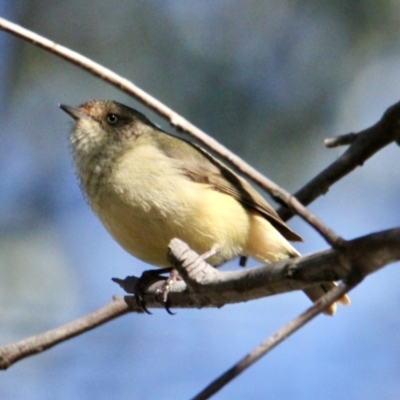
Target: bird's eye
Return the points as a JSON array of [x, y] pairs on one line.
[[112, 119]]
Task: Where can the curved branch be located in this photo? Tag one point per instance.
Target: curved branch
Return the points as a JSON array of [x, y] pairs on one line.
[[176, 120], [367, 142]]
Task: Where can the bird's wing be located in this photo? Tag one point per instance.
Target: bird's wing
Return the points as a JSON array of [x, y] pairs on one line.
[[200, 166]]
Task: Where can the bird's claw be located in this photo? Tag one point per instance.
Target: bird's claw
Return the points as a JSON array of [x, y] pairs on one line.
[[141, 303], [148, 278]]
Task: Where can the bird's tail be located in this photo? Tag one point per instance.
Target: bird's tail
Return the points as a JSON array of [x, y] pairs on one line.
[[314, 293], [266, 244]]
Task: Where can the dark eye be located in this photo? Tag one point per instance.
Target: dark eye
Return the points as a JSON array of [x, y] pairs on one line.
[[112, 119]]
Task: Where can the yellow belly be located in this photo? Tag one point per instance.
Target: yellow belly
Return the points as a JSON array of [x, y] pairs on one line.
[[208, 220], [148, 201], [143, 213]]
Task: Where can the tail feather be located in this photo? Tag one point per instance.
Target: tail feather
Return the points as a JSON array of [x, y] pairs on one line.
[[265, 244], [315, 292]]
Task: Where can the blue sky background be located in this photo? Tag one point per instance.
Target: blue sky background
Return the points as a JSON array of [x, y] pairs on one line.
[[270, 81]]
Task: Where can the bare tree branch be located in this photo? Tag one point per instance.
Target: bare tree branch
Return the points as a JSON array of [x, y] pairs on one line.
[[272, 341], [205, 286], [385, 248], [212, 287], [341, 140], [367, 143], [176, 120], [14, 352]]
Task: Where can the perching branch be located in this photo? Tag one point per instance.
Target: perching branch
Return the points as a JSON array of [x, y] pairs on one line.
[[205, 286]]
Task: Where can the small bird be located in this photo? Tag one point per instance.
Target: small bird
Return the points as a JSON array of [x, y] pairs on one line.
[[148, 187]]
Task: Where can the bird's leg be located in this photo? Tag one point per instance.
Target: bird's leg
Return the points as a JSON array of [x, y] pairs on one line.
[[166, 287], [243, 261], [210, 253], [147, 279], [174, 276]]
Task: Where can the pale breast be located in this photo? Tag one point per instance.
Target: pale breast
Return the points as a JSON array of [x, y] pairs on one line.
[[148, 202]]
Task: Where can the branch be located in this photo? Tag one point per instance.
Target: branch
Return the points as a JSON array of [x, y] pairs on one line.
[[210, 287], [205, 286], [176, 120], [386, 249], [272, 341], [14, 352], [340, 140], [365, 144]]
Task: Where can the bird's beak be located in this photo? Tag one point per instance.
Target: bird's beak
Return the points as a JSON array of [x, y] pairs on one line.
[[73, 112]]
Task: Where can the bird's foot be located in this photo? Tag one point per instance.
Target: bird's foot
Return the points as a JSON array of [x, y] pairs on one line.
[[147, 279], [138, 286]]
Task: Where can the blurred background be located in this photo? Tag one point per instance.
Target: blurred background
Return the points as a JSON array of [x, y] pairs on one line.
[[268, 79]]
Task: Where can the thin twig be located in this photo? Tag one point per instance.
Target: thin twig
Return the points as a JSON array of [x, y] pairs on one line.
[[272, 341], [176, 120], [14, 352], [341, 140]]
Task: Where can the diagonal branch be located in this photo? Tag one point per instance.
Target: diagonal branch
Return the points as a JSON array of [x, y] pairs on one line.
[[385, 249], [272, 341], [14, 352], [365, 145], [176, 120]]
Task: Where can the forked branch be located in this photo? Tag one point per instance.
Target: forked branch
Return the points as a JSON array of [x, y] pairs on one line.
[[208, 287]]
